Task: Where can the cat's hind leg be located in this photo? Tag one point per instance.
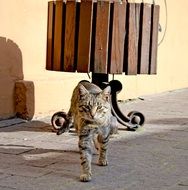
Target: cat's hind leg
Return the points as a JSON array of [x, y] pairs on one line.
[[95, 142], [103, 146], [113, 125]]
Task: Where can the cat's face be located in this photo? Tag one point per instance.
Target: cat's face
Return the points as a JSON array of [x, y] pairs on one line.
[[94, 107]]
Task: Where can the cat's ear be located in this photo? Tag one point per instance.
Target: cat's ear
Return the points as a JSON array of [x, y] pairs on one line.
[[82, 90], [106, 93]]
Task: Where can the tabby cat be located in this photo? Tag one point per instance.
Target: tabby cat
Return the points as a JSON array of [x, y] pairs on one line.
[[90, 113]]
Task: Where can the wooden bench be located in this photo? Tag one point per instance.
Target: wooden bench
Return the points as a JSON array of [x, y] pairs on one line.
[[102, 37]]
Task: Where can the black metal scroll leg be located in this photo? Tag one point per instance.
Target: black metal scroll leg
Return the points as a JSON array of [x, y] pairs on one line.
[[134, 119], [100, 79]]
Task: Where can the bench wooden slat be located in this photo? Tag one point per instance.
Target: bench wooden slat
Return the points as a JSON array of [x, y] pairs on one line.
[[131, 68], [145, 39], [154, 39], [49, 53], [69, 46], [84, 39], [101, 38], [138, 24], [118, 38], [92, 59], [57, 59]]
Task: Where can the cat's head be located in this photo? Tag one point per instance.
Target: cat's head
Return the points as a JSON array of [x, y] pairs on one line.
[[94, 107]]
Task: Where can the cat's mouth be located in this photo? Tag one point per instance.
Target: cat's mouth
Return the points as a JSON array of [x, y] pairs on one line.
[[90, 119], [95, 121]]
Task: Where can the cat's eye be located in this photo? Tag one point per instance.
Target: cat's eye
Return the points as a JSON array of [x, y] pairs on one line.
[[80, 109], [86, 108], [99, 107]]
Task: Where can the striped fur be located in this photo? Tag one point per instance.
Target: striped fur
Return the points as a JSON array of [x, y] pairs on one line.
[[90, 113]]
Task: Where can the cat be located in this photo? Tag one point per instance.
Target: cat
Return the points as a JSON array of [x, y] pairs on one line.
[[90, 114]]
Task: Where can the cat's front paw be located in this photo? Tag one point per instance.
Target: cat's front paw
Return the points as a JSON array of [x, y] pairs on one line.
[[85, 177], [102, 162]]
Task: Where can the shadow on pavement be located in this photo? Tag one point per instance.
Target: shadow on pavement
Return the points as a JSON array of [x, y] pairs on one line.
[[35, 126]]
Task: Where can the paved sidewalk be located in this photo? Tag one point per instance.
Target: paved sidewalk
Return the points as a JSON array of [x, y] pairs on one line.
[[32, 157]]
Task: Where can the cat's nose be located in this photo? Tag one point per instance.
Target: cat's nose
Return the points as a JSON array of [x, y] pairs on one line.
[[93, 112]]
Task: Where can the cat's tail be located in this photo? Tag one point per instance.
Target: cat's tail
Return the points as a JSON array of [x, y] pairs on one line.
[[61, 130]]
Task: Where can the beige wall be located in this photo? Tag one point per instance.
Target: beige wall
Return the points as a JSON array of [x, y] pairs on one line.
[[23, 54]]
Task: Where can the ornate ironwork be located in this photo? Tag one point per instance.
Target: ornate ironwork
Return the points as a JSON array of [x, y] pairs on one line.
[[132, 121]]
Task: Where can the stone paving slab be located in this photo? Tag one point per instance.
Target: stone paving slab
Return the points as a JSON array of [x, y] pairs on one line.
[[33, 157]]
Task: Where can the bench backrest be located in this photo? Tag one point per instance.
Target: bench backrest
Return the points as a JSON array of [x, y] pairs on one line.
[[102, 37]]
